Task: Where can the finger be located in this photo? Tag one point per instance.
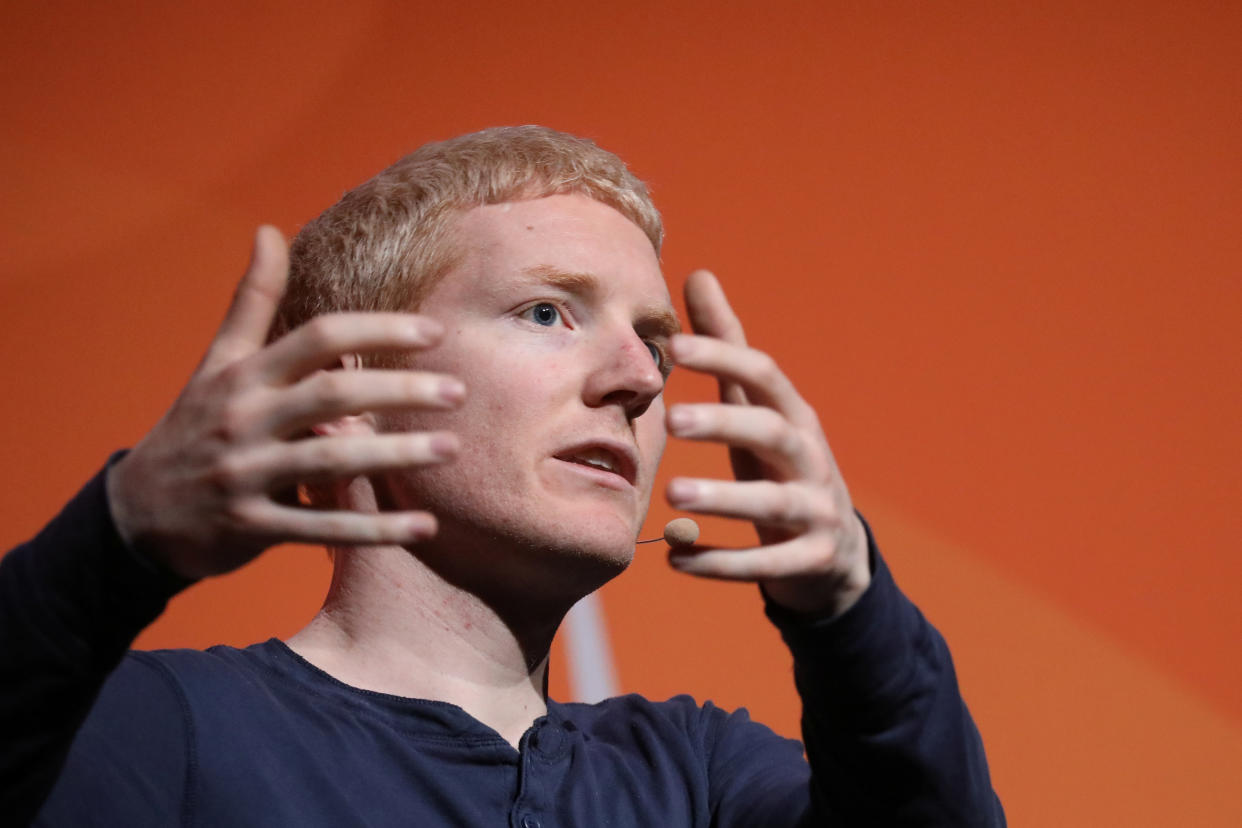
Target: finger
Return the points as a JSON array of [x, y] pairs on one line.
[[709, 310], [327, 395], [711, 314], [763, 431], [335, 528], [332, 458], [797, 557], [757, 373], [246, 323], [783, 505], [322, 342]]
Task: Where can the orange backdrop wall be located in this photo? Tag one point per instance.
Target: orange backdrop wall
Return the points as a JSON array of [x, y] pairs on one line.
[[998, 245]]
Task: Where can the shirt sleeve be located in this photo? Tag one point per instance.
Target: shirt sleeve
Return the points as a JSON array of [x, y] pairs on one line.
[[888, 736], [72, 599]]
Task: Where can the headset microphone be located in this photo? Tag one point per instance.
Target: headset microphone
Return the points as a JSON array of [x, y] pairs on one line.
[[679, 532]]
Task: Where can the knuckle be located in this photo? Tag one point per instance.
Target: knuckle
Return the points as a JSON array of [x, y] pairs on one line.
[[232, 423], [821, 468], [786, 510], [414, 448], [327, 455], [332, 388], [241, 513], [790, 441], [323, 332], [226, 477], [825, 558], [427, 330], [828, 509], [331, 525], [387, 529], [823, 515], [413, 386], [776, 431], [233, 376], [343, 525], [788, 507], [765, 371]]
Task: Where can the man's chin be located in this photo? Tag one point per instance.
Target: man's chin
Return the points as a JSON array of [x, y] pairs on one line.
[[605, 543], [596, 550], [571, 565]]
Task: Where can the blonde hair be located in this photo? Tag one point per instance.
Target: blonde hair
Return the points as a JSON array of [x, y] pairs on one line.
[[386, 243]]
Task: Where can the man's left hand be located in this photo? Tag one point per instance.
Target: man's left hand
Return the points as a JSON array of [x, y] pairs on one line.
[[812, 553]]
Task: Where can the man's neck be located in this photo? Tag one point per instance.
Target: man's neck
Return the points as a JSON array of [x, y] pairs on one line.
[[391, 624]]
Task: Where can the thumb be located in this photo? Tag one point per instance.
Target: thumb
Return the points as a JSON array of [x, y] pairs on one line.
[[246, 323]]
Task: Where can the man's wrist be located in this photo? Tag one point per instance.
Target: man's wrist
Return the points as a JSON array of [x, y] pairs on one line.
[[122, 523], [116, 502], [866, 647], [828, 596]]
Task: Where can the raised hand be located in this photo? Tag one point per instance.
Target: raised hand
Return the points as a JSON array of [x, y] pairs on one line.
[[201, 493], [812, 556]]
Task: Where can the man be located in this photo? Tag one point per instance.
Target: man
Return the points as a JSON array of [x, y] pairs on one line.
[[464, 390]]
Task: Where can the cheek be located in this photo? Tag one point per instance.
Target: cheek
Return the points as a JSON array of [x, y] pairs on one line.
[[503, 381], [510, 403], [651, 435], [515, 387], [515, 391]]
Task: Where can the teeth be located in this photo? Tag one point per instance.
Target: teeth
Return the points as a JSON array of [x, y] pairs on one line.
[[599, 459]]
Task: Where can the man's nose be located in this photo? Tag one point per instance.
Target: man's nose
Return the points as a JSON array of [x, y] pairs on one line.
[[626, 375]]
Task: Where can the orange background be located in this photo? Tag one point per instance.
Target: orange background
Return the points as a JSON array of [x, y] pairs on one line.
[[997, 246]]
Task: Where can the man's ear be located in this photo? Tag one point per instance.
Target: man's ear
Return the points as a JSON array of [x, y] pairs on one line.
[[363, 423], [336, 494]]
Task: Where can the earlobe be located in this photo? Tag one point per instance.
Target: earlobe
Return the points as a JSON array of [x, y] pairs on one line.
[[350, 425]]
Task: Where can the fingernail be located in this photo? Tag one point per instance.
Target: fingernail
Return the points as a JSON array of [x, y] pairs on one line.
[[421, 526], [444, 445], [452, 390], [681, 418], [682, 492]]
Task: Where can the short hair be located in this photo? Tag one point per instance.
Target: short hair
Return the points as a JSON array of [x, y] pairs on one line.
[[386, 243]]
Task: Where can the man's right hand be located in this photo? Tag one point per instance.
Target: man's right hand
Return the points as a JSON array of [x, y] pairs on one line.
[[199, 493]]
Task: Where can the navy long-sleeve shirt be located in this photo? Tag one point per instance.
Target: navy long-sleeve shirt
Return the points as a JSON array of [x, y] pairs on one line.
[[259, 736]]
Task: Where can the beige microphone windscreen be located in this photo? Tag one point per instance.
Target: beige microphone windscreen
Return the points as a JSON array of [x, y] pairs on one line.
[[681, 532]]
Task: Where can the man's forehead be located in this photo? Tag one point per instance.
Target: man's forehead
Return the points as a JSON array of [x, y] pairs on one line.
[[564, 214]]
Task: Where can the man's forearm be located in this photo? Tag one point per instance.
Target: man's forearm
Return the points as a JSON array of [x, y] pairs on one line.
[[887, 733], [72, 599]]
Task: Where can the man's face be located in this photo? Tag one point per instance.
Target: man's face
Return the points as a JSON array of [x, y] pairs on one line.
[[557, 319]]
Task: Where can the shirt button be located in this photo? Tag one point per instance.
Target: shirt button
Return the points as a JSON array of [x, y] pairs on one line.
[[531, 821], [548, 740]]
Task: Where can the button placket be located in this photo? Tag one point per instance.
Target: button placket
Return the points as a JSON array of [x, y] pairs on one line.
[[544, 752]]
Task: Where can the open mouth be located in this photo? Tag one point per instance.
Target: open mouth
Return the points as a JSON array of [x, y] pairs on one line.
[[603, 459]]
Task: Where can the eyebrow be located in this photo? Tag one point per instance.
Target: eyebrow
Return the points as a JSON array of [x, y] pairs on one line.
[[653, 320], [582, 284]]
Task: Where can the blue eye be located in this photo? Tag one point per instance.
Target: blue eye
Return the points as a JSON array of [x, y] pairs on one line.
[[544, 314], [659, 354]]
